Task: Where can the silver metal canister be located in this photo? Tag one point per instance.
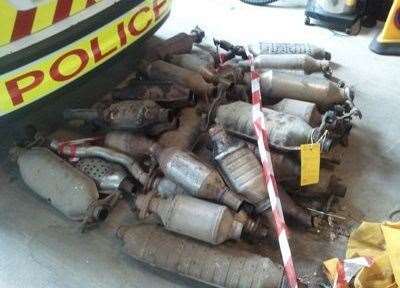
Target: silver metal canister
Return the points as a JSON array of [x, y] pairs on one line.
[[199, 219], [280, 85], [285, 131], [194, 176], [289, 62], [268, 48], [241, 168], [307, 111], [65, 187]]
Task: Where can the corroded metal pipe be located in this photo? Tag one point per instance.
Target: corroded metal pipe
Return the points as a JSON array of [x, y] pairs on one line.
[[134, 115], [219, 266], [167, 95], [204, 67], [178, 44], [187, 133], [160, 70]]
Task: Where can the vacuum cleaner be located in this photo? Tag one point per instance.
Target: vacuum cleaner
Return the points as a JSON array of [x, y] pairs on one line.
[[342, 15]]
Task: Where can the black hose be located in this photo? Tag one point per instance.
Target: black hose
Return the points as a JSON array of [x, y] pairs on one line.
[[258, 2]]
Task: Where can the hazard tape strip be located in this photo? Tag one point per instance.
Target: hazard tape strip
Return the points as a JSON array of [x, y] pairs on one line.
[[74, 144], [262, 140], [348, 268]]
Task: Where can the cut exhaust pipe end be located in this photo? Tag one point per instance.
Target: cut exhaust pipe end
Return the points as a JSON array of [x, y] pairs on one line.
[[219, 266]]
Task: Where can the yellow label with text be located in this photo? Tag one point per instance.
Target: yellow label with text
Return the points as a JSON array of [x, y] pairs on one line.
[[310, 163]]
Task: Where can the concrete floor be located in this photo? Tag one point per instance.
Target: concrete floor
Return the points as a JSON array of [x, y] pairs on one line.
[[40, 248]]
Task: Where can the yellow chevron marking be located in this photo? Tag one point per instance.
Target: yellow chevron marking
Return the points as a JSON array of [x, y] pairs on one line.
[[44, 16], [7, 20], [77, 6]]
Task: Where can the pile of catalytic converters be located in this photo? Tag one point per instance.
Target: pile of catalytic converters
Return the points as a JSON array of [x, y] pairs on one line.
[[177, 142]]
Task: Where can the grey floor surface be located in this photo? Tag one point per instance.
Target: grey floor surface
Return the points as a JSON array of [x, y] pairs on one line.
[[40, 248]]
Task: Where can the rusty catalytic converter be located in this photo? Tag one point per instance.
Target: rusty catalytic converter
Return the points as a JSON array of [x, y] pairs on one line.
[[161, 70], [134, 115], [165, 94], [179, 44]]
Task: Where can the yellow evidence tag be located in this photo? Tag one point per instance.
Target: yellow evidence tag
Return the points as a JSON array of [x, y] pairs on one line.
[[310, 163]]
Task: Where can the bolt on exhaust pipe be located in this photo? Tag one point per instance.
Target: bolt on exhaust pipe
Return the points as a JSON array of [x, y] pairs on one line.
[[219, 266]]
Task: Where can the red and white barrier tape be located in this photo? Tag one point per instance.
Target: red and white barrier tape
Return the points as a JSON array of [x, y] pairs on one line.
[[348, 268], [262, 140], [73, 144]]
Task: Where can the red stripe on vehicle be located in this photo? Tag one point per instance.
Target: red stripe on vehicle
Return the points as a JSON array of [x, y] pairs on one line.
[[23, 24], [90, 3], [62, 10]]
